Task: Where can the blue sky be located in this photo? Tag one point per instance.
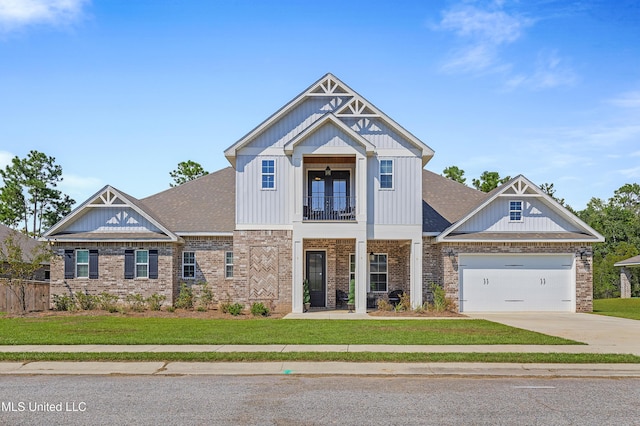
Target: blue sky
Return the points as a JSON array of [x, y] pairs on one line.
[[121, 91]]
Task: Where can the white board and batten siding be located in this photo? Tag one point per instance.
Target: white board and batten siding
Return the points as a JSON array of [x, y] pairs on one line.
[[257, 206], [295, 122], [517, 283], [401, 205], [536, 217], [112, 219]]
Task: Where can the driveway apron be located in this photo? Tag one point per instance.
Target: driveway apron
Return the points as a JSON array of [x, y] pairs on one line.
[[603, 334]]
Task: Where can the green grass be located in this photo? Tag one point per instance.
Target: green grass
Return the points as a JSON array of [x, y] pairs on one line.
[[623, 308], [561, 358], [75, 330]]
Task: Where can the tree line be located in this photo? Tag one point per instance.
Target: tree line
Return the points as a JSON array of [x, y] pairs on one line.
[[617, 219]]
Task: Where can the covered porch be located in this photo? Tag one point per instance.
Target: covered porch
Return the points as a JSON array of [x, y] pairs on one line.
[[378, 267]]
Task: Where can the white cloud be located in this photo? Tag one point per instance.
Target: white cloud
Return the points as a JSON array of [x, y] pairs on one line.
[[631, 173], [79, 187], [5, 159], [482, 33], [627, 100], [16, 14]]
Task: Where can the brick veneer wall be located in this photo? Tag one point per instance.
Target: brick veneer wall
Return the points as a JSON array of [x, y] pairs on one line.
[[262, 258], [584, 268], [111, 272], [210, 264]]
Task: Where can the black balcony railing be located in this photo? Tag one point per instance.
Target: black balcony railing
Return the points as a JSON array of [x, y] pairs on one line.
[[335, 208]]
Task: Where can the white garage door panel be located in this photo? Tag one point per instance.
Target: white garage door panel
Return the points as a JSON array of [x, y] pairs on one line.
[[516, 283]]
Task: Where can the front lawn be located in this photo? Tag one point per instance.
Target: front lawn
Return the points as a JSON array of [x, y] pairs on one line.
[[623, 308], [111, 330]]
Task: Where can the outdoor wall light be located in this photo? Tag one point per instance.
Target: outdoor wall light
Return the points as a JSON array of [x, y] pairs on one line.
[[582, 253], [450, 253], [372, 257], [327, 171]]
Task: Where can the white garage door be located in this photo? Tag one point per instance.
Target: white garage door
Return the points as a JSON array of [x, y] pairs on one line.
[[508, 283]]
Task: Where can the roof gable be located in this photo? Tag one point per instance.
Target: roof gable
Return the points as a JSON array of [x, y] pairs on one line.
[[568, 227], [110, 214], [346, 103], [328, 120]]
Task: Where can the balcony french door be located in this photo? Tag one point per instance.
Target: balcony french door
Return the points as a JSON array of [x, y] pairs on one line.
[[328, 196]]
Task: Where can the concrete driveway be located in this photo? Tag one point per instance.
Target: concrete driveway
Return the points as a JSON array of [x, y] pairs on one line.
[[603, 334]]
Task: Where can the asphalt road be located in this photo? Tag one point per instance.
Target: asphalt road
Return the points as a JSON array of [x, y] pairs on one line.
[[288, 400]]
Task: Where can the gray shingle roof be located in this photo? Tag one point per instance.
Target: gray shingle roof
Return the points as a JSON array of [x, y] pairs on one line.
[[27, 244], [206, 204], [632, 261], [445, 201]]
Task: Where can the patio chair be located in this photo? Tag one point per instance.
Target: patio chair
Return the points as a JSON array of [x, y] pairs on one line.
[[394, 296]]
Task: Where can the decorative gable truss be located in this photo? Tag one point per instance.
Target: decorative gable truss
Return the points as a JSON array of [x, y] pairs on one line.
[[110, 215], [543, 218], [344, 103]]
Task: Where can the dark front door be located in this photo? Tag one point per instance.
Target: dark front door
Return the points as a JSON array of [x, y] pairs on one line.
[[316, 278]]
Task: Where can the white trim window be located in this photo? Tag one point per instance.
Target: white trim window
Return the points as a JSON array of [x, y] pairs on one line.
[[378, 275], [228, 264], [268, 174], [82, 263], [142, 263], [515, 211], [386, 174], [189, 265]]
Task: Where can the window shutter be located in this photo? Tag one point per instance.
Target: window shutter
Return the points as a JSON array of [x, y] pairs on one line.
[[128, 264], [69, 264], [93, 264], [153, 264]]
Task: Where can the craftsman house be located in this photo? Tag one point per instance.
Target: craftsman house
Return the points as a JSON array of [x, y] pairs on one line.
[[330, 189]]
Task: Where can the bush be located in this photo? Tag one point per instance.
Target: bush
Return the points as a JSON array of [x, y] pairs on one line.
[[235, 309], [206, 297], [171, 309], [63, 303], [259, 309], [86, 302], [383, 305], [185, 297], [404, 304], [136, 302], [155, 301], [441, 302], [107, 301]]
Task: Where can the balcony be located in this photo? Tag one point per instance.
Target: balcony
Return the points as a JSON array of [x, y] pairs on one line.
[[329, 208]]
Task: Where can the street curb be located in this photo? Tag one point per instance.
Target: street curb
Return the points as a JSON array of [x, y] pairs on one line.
[[294, 368]]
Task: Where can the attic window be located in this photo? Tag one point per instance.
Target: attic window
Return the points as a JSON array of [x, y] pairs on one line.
[[515, 211]]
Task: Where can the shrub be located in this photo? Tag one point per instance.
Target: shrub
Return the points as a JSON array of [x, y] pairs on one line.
[[404, 304], [224, 307], [441, 302], [171, 309], [235, 309], [383, 305], [206, 297], [136, 302], [63, 303], [185, 297], [259, 309], [86, 302], [107, 302], [155, 301]]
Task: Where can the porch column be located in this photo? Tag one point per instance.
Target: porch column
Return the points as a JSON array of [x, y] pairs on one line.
[[625, 283], [297, 278], [362, 270], [415, 280]]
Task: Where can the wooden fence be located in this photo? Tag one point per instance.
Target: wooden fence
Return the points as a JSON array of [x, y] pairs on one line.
[[36, 296]]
